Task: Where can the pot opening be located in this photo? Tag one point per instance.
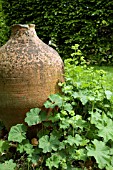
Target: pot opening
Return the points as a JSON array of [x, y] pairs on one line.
[[21, 28]]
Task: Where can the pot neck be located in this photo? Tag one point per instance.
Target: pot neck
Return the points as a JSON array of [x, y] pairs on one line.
[[21, 29]]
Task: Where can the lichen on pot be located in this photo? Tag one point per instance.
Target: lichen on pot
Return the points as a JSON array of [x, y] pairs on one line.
[[29, 72]]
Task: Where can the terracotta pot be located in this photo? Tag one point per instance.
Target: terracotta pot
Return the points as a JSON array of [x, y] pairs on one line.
[[29, 72]]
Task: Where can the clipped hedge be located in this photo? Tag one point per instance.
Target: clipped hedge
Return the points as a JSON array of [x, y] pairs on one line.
[[65, 23], [3, 28]]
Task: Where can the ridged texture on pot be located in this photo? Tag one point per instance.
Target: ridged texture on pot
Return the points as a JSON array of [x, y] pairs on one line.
[[29, 72]]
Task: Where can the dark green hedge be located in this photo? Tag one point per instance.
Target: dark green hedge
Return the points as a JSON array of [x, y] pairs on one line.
[[66, 22], [3, 28]]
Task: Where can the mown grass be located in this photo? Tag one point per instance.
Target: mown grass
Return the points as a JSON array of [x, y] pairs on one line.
[[109, 74], [108, 70]]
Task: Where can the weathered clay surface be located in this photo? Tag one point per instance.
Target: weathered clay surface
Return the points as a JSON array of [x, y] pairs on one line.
[[29, 73]]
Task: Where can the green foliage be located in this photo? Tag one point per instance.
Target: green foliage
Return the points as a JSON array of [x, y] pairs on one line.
[[53, 161], [17, 133], [25, 146], [32, 117], [8, 165], [3, 28], [77, 133], [48, 143], [54, 100], [4, 146], [100, 152], [65, 23]]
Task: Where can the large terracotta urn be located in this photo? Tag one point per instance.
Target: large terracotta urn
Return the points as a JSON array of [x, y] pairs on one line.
[[29, 72]]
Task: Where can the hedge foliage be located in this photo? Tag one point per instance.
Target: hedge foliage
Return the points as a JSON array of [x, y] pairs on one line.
[[65, 23], [3, 28]]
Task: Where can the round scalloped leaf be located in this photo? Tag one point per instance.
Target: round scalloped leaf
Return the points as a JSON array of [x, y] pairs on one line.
[[17, 133]]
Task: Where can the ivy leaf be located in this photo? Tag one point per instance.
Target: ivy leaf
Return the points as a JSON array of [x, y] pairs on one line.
[[4, 146], [48, 143], [108, 94], [33, 117], [100, 152], [55, 100], [8, 165], [17, 133]]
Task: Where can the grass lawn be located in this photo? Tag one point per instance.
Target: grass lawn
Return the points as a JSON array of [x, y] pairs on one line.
[[108, 69], [109, 74], [105, 68]]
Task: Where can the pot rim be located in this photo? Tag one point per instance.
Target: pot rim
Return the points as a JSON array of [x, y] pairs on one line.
[[23, 26]]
